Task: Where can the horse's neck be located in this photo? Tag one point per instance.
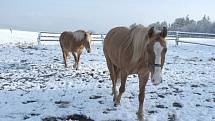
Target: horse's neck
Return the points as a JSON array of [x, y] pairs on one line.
[[144, 58]]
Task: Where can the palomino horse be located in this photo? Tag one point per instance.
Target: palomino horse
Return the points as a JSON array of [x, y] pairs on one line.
[[75, 42], [135, 50]]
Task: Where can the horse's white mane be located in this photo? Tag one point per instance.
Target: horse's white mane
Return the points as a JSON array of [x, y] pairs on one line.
[[79, 35], [139, 39]]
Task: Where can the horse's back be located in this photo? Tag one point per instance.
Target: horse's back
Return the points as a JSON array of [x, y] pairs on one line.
[[114, 44], [115, 36]]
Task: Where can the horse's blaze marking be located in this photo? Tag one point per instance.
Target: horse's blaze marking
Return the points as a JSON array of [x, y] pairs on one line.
[[157, 72]]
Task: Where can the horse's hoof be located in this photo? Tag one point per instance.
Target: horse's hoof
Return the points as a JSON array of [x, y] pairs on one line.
[[114, 98], [140, 116], [75, 66], [116, 103]]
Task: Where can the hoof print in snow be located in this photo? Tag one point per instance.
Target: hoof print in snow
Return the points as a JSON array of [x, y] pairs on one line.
[[130, 97], [23, 61], [108, 110], [30, 115], [178, 105], [211, 59], [105, 112], [62, 104], [101, 81], [197, 105], [152, 112], [208, 100], [197, 93], [26, 117], [99, 86], [2, 77], [91, 74], [101, 102], [78, 117], [160, 106], [95, 97], [171, 117], [34, 114], [30, 101], [56, 59], [161, 96], [51, 119], [193, 85]]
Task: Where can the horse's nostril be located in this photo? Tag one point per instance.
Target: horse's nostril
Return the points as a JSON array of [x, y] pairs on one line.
[[153, 80]]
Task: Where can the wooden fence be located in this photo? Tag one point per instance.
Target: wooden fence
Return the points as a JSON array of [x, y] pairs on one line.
[[49, 36], [176, 35], [172, 35]]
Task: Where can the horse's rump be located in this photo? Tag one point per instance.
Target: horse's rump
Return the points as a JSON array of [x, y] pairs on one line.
[[66, 39]]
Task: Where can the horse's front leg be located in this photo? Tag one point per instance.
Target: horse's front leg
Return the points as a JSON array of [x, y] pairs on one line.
[[78, 60], [124, 76], [143, 78]]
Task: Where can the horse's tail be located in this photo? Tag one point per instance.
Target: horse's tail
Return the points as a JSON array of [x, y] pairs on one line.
[[61, 39], [117, 73]]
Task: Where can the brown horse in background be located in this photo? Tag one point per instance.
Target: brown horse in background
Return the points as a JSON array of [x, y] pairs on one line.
[[135, 50], [75, 42]]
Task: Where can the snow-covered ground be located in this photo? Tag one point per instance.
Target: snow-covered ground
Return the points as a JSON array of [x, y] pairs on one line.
[[16, 37], [35, 86]]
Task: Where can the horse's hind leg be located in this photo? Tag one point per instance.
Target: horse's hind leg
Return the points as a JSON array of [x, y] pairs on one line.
[[113, 77], [75, 58], [114, 74], [124, 76], [65, 54]]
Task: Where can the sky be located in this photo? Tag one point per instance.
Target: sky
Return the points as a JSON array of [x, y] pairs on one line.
[[97, 15]]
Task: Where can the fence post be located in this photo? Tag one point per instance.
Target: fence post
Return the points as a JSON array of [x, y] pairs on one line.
[[177, 38], [38, 38], [102, 39]]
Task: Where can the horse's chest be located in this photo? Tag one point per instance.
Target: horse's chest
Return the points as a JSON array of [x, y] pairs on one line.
[[77, 48]]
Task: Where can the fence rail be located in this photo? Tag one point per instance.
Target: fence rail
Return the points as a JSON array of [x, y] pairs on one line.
[[172, 35], [49, 36]]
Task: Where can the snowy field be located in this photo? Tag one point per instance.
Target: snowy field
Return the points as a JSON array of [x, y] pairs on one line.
[[35, 86]]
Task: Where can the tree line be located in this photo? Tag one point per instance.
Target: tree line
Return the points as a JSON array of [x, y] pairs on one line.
[[185, 24]]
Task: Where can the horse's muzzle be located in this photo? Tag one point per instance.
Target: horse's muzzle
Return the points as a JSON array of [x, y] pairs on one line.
[[156, 83], [89, 50]]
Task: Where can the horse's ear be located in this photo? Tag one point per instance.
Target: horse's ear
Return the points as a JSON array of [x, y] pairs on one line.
[[164, 32], [151, 32], [90, 33]]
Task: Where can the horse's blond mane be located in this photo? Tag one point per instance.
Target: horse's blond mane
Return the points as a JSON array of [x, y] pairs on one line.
[[139, 38], [79, 35]]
